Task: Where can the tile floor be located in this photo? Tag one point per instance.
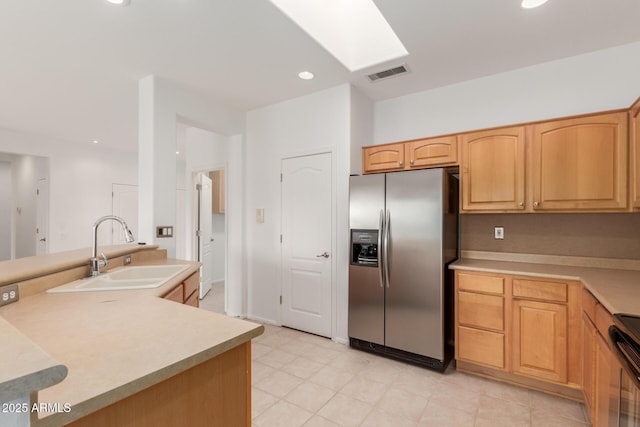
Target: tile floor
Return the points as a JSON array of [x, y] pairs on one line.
[[301, 379]]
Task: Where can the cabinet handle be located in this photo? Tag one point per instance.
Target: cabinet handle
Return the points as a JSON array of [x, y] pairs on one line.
[[521, 204], [536, 204], [401, 163], [411, 161]]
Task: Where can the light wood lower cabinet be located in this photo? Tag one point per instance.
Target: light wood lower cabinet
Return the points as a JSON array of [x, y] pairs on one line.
[[215, 393], [520, 329], [634, 139], [186, 292]]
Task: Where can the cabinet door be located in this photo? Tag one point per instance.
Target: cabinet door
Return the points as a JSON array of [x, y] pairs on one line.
[[431, 152], [540, 340], [588, 364], [493, 170], [634, 138], [217, 189], [580, 164], [603, 383], [176, 294], [382, 158]]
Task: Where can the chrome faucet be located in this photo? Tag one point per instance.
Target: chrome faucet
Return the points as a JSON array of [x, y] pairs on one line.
[[95, 262]]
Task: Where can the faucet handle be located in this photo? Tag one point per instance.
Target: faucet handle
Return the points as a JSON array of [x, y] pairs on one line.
[[104, 261]]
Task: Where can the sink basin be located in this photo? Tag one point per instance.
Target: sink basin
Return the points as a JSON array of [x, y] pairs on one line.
[[137, 277]]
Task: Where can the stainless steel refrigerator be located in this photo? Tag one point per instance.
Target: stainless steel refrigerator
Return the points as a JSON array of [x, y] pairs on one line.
[[404, 233]]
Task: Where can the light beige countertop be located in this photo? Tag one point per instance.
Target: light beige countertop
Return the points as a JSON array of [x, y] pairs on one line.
[[116, 343], [618, 290]]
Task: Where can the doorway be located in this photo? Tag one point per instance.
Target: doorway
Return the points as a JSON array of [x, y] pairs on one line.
[[307, 225]]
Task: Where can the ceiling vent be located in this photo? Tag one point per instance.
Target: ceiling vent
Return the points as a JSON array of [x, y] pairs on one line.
[[391, 72]]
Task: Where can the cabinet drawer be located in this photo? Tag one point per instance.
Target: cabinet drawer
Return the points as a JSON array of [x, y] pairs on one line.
[[589, 304], [545, 291], [191, 284], [478, 283], [193, 300], [484, 347], [176, 294], [484, 311]]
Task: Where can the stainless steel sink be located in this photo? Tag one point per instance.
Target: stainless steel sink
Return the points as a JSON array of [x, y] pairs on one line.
[[136, 277]]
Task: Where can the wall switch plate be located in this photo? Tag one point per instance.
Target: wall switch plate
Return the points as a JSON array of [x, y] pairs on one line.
[[127, 260], [260, 215], [9, 294], [164, 231], [498, 233]]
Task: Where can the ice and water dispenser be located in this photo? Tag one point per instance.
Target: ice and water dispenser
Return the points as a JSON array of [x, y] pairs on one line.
[[364, 247]]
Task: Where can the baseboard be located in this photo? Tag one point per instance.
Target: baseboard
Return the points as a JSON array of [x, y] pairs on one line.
[[263, 320]]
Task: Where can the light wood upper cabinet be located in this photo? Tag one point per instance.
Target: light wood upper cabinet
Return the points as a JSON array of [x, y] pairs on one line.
[[217, 188], [383, 158], [493, 170], [580, 163], [427, 152], [634, 138]]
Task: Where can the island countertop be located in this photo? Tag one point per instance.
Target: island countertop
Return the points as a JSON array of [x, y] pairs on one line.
[[116, 343]]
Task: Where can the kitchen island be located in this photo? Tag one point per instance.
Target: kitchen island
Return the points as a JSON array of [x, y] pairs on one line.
[[134, 358]]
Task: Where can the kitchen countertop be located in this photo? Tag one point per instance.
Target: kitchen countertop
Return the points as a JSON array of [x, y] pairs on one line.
[[115, 343], [617, 290]]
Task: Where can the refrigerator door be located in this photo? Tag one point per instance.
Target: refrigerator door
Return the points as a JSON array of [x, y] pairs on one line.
[[414, 294], [366, 291]]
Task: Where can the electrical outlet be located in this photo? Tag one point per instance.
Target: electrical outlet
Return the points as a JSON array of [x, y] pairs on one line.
[[498, 233], [127, 260], [9, 294]]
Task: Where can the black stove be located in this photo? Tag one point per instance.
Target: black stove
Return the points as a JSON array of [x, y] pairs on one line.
[[625, 337]]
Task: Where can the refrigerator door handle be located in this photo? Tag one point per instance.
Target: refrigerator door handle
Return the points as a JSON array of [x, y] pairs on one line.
[[387, 237], [380, 259]]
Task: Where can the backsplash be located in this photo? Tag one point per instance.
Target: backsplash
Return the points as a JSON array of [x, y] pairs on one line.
[[603, 235]]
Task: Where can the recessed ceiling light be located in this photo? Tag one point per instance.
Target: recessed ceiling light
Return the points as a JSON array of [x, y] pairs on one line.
[[177, 152], [530, 4], [355, 32], [119, 2], [306, 75], [95, 141]]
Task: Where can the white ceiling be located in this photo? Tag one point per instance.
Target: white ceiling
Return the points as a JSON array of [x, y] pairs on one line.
[[70, 69]]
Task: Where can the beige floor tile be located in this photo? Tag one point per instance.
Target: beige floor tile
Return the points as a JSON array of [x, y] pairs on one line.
[[365, 390], [258, 350], [279, 383], [352, 361], [383, 371], [277, 358], [450, 415], [378, 418], [298, 347], [310, 396], [543, 418], [500, 412], [402, 404], [324, 355], [507, 392], [417, 383], [302, 367], [467, 400], [260, 371], [261, 401], [561, 407], [331, 378], [318, 421], [283, 414], [345, 411]]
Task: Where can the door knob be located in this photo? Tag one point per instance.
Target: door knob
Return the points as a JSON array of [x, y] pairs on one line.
[[325, 254], [44, 239]]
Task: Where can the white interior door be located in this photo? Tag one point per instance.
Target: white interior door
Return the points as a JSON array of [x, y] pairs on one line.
[[124, 203], [42, 217], [204, 232], [307, 226]]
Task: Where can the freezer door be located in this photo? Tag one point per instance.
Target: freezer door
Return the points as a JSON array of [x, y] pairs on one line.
[[366, 293], [414, 294]]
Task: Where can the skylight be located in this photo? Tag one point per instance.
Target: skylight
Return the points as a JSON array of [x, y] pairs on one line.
[[353, 31]]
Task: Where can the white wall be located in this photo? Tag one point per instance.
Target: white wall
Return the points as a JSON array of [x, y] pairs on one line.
[[6, 208], [315, 123], [598, 81], [80, 182], [162, 106]]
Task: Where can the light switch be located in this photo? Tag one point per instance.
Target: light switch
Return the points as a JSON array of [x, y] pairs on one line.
[[260, 215], [498, 233]]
